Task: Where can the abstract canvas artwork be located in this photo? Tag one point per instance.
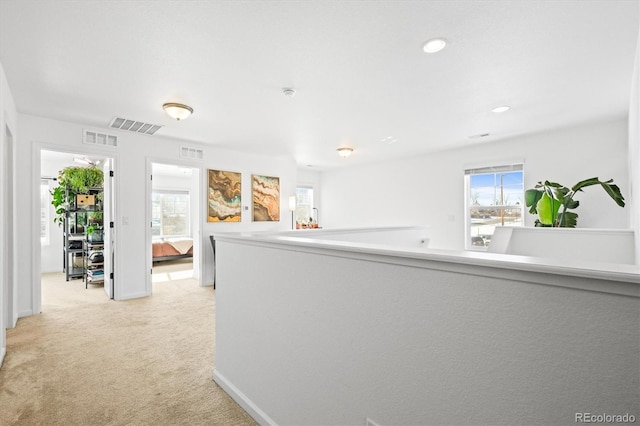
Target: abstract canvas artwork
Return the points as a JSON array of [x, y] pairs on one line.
[[265, 191], [224, 196]]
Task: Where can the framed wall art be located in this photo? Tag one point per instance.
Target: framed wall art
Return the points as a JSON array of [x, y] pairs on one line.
[[265, 194], [224, 196]]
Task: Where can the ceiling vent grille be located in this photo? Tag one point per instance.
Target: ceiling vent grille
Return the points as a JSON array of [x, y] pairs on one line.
[[96, 138], [134, 126], [186, 152]]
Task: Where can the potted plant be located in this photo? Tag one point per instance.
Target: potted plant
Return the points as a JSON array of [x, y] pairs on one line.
[[72, 181], [95, 233], [545, 200], [95, 218]]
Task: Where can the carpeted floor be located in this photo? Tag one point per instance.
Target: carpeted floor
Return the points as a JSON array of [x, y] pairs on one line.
[[87, 360]]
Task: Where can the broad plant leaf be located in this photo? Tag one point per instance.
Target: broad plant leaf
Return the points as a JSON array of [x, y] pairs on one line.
[[568, 220], [570, 203], [548, 209], [609, 187], [614, 192], [531, 198]]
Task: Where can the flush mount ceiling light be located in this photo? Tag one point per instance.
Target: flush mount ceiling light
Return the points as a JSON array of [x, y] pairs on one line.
[[85, 161], [502, 108], [289, 92], [177, 111], [344, 152], [434, 45]]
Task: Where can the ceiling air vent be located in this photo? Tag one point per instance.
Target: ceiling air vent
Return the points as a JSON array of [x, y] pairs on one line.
[[134, 126], [186, 152], [96, 138]]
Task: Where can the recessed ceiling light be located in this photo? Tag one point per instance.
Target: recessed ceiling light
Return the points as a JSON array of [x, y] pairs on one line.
[[500, 109], [434, 45], [389, 139]]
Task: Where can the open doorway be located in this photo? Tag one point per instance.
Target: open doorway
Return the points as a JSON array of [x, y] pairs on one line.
[[175, 224], [76, 240]]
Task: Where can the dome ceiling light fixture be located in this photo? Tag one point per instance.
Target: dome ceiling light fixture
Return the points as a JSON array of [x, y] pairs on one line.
[[344, 152], [177, 111], [86, 161], [434, 45], [289, 92]]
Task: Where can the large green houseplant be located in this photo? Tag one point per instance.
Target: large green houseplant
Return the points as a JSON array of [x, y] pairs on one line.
[[546, 198], [72, 181]]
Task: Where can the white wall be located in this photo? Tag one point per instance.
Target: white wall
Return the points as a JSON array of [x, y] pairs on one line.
[[8, 127], [308, 336], [429, 190], [634, 150], [131, 159]]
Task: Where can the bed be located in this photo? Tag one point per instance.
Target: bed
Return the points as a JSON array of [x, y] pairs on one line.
[[172, 248]]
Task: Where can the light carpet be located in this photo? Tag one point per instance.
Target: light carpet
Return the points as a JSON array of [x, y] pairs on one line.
[[88, 360]]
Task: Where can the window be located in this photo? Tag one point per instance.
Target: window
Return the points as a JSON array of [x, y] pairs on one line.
[[495, 197], [170, 214], [304, 206], [45, 206]]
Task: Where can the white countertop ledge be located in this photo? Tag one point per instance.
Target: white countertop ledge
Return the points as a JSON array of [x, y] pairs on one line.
[[610, 278]]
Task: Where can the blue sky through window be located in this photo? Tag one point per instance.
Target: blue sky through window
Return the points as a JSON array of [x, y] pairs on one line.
[[485, 189]]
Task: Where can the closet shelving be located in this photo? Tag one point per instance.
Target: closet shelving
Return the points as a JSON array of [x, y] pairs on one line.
[[94, 262], [83, 244]]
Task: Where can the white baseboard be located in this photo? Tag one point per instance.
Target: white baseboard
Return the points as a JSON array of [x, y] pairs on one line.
[[252, 409], [3, 352], [26, 313]]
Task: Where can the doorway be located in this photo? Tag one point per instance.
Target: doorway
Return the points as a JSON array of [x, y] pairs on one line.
[[174, 224], [76, 250]]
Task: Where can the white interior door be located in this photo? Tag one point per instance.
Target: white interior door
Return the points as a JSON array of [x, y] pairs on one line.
[[109, 231]]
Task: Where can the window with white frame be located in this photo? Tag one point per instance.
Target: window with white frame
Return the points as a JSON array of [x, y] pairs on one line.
[[494, 197], [45, 207], [304, 206], [170, 214]]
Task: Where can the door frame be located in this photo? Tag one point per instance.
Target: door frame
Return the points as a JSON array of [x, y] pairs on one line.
[[38, 147], [9, 243]]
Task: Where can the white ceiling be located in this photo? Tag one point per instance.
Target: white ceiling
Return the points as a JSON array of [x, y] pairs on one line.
[[357, 66]]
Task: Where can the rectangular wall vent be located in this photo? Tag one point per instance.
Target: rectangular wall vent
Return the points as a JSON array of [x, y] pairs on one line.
[[97, 138], [134, 126], [187, 152]]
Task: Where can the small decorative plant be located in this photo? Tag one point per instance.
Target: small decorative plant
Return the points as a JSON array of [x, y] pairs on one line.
[[73, 181], [95, 217], [545, 200]]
